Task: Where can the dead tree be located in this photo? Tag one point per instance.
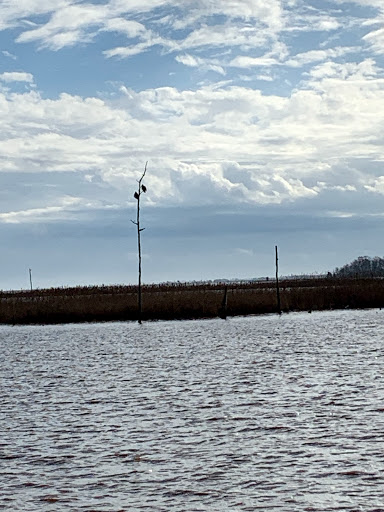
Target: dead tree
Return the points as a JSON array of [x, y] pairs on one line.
[[141, 188]]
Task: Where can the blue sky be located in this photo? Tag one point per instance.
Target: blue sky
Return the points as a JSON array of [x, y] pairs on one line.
[[262, 124]]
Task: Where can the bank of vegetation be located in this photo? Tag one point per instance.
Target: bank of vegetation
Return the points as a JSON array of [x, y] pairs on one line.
[[189, 301], [363, 266]]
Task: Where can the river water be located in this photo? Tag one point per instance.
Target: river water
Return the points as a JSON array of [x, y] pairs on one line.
[[257, 413]]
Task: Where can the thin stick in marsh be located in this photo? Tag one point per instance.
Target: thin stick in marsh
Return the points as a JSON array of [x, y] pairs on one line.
[[277, 281], [141, 189]]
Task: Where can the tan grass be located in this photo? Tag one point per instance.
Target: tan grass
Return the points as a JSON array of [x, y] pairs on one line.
[[179, 301]]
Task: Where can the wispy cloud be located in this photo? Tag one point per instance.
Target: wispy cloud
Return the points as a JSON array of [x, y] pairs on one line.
[[202, 64], [70, 22], [36, 214], [243, 61], [375, 40], [9, 55], [67, 26], [320, 55]]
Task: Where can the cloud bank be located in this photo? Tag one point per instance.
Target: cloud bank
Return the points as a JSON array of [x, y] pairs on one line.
[[235, 106]]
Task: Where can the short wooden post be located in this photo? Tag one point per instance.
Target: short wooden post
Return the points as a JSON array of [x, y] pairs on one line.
[[223, 309]]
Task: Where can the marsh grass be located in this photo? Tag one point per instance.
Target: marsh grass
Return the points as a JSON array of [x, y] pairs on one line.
[[183, 301]]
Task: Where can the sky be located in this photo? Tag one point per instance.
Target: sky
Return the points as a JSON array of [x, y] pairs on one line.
[[262, 123]]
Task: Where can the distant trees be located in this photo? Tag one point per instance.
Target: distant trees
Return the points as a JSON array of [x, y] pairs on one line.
[[363, 266]]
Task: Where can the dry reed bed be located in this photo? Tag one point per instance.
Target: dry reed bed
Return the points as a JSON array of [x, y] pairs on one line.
[[181, 301]]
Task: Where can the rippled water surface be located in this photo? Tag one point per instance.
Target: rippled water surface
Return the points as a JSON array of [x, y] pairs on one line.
[[257, 413]]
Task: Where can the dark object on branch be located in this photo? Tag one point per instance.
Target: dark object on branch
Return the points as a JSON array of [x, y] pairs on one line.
[[137, 195]]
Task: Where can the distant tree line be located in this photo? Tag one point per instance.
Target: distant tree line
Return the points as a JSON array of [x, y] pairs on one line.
[[363, 266]]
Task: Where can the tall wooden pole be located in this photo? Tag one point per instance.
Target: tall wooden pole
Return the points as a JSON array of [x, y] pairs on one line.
[[137, 195], [30, 278], [277, 282]]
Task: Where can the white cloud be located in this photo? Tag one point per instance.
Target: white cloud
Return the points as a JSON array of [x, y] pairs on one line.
[[251, 62], [376, 185], [128, 27], [239, 251], [301, 59], [268, 14], [128, 51], [265, 78], [293, 188], [129, 6], [250, 23], [228, 35], [376, 40], [312, 20], [65, 207], [66, 26], [197, 62], [16, 76], [214, 144], [9, 55], [252, 30], [350, 70], [328, 24], [46, 213], [364, 3], [71, 23], [13, 11]]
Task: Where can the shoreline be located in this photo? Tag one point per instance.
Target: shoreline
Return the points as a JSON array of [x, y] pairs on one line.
[[187, 301]]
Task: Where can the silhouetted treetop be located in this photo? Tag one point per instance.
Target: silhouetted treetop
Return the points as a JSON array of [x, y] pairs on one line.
[[362, 266]]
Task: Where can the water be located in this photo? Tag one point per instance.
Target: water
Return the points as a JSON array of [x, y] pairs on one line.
[[257, 413]]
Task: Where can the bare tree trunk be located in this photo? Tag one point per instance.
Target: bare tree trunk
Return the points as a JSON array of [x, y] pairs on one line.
[[140, 190], [139, 307]]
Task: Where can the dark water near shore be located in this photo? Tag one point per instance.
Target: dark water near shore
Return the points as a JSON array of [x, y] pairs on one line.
[[257, 413]]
